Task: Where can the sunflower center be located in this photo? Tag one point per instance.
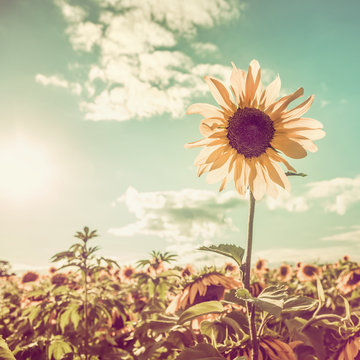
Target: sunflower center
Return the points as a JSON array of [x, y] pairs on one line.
[[250, 132]]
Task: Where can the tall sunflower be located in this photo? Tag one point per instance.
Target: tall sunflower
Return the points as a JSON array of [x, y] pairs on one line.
[[244, 137]]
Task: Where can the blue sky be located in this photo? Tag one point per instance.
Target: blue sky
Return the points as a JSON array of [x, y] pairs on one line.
[[93, 126]]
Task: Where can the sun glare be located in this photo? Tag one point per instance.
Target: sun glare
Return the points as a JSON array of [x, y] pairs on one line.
[[26, 171]]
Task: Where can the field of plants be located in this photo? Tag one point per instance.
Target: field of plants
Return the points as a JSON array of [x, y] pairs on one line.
[[87, 307]]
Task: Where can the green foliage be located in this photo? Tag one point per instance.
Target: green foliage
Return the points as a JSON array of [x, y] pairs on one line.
[[232, 251], [200, 352], [93, 312], [5, 353], [208, 307]]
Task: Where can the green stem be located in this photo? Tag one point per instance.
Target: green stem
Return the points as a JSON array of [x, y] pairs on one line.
[[86, 306], [250, 307]]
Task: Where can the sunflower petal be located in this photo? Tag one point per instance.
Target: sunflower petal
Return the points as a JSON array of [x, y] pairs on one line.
[[237, 82], [300, 122], [270, 93], [253, 84], [289, 147], [275, 109], [220, 93], [298, 110], [206, 110]]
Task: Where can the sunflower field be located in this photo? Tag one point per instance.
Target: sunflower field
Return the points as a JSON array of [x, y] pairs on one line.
[[87, 307]]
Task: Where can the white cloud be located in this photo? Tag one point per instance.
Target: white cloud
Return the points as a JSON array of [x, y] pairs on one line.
[[58, 81], [288, 202], [71, 13], [204, 49], [352, 235], [339, 193], [138, 71], [84, 35], [183, 216], [51, 80], [336, 195]]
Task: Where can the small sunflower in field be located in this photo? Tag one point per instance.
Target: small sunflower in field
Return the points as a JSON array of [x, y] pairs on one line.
[[188, 270], [269, 349], [244, 137], [230, 268], [308, 272], [351, 349], [261, 267], [30, 276], [59, 279], [348, 281], [285, 272], [256, 288], [127, 273], [206, 287]]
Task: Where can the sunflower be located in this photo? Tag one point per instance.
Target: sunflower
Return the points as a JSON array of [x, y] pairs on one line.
[[285, 273], [349, 281], [308, 272], [188, 270], [270, 349], [242, 138], [261, 267], [351, 349], [127, 272], [29, 276], [207, 287]]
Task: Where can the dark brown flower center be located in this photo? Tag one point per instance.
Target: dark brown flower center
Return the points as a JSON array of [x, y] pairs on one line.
[[310, 270], [250, 132], [284, 270]]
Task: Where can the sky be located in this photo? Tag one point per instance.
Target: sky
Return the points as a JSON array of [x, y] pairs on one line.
[[93, 125]]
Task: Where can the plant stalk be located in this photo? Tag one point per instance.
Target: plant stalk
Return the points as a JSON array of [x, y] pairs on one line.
[[86, 305], [251, 307]]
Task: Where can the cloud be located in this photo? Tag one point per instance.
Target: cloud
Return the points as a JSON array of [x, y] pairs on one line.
[[136, 68], [336, 195], [324, 103], [184, 216], [352, 235], [58, 81], [288, 202], [204, 49]]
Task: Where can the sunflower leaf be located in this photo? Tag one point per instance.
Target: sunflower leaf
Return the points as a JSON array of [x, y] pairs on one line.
[[204, 308], [5, 352], [297, 304], [200, 352], [232, 251]]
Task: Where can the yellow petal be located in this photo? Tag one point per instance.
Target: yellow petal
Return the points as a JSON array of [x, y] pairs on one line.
[[299, 123], [288, 147], [237, 81], [298, 110], [275, 156], [206, 110], [276, 174], [253, 84], [271, 92], [276, 109], [220, 93]]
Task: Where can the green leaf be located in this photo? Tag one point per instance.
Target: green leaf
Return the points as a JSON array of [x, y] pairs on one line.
[[161, 325], [5, 353], [298, 303], [271, 299], [347, 308], [169, 273], [200, 352], [214, 330], [234, 252], [58, 349], [207, 307], [290, 173], [320, 291]]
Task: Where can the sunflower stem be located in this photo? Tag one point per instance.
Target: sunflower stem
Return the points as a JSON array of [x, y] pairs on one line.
[[251, 307]]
